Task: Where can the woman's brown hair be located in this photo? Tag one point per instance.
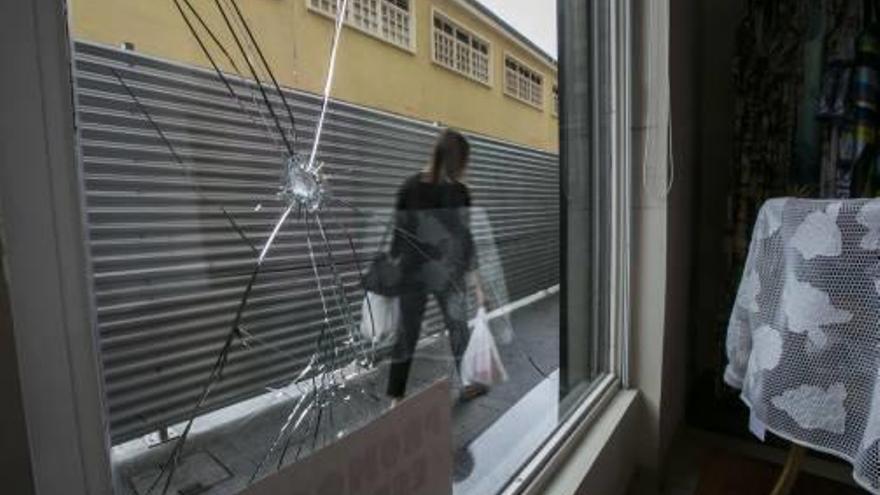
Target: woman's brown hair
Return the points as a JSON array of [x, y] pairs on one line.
[[450, 158]]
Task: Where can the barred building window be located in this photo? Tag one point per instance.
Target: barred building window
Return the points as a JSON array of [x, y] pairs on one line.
[[460, 50], [388, 20], [556, 100], [522, 82]]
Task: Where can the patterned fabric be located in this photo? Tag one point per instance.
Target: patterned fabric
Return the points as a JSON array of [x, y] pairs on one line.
[[803, 342], [865, 112], [767, 79], [849, 103], [836, 105], [806, 162]]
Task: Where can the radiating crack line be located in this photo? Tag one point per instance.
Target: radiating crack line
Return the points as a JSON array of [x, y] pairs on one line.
[[256, 46], [219, 73], [293, 419], [342, 298], [341, 6], [253, 72], [355, 257]]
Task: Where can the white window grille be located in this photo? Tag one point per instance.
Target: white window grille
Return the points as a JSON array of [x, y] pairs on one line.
[[523, 82], [365, 15], [388, 20], [460, 50]]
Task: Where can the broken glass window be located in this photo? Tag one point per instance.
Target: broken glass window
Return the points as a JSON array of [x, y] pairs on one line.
[[249, 337]]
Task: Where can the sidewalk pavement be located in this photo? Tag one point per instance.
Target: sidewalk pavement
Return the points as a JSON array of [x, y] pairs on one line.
[[222, 461]]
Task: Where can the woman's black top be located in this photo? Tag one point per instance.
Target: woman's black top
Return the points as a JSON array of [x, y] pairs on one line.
[[433, 231]]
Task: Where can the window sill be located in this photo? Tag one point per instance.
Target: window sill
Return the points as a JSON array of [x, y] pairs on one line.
[[525, 102], [593, 453], [486, 84]]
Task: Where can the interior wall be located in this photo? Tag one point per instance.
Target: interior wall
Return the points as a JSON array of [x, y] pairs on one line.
[[648, 265], [15, 466], [677, 232], [680, 210], [715, 100], [663, 234]]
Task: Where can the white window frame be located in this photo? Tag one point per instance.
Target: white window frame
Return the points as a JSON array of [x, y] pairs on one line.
[[609, 143], [46, 256], [473, 34], [554, 97], [529, 67], [48, 266], [411, 48]]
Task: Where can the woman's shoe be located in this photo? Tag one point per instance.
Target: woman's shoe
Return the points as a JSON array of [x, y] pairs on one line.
[[473, 391]]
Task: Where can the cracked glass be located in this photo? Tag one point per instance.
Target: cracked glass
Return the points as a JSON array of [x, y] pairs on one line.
[[299, 217]]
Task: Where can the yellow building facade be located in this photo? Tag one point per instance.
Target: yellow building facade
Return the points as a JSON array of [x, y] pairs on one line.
[[445, 61]]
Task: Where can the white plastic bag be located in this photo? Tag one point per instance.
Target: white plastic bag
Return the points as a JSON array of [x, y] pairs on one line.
[[503, 329], [380, 316], [481, 363]]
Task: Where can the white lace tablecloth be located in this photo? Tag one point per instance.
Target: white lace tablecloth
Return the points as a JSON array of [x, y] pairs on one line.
[[804, 337]]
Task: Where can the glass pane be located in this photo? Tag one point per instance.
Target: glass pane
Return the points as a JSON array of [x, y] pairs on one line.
[[287, 247]]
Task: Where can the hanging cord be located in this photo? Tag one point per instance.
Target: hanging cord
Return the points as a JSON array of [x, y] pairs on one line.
[[658, 114]]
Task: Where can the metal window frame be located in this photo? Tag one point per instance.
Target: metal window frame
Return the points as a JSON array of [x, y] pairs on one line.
[[60, 373]]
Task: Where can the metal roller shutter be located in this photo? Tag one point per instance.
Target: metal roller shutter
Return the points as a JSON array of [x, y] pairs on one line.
[[168, 269]]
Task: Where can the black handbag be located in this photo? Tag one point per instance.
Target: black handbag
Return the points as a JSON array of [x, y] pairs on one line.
[[384, 276]]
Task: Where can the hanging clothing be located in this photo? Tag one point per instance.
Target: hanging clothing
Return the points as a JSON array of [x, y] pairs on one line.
[[865, 112], [806, 163], [768, 77]]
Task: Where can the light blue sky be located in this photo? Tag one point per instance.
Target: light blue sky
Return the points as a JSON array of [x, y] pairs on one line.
[[536, 19]]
